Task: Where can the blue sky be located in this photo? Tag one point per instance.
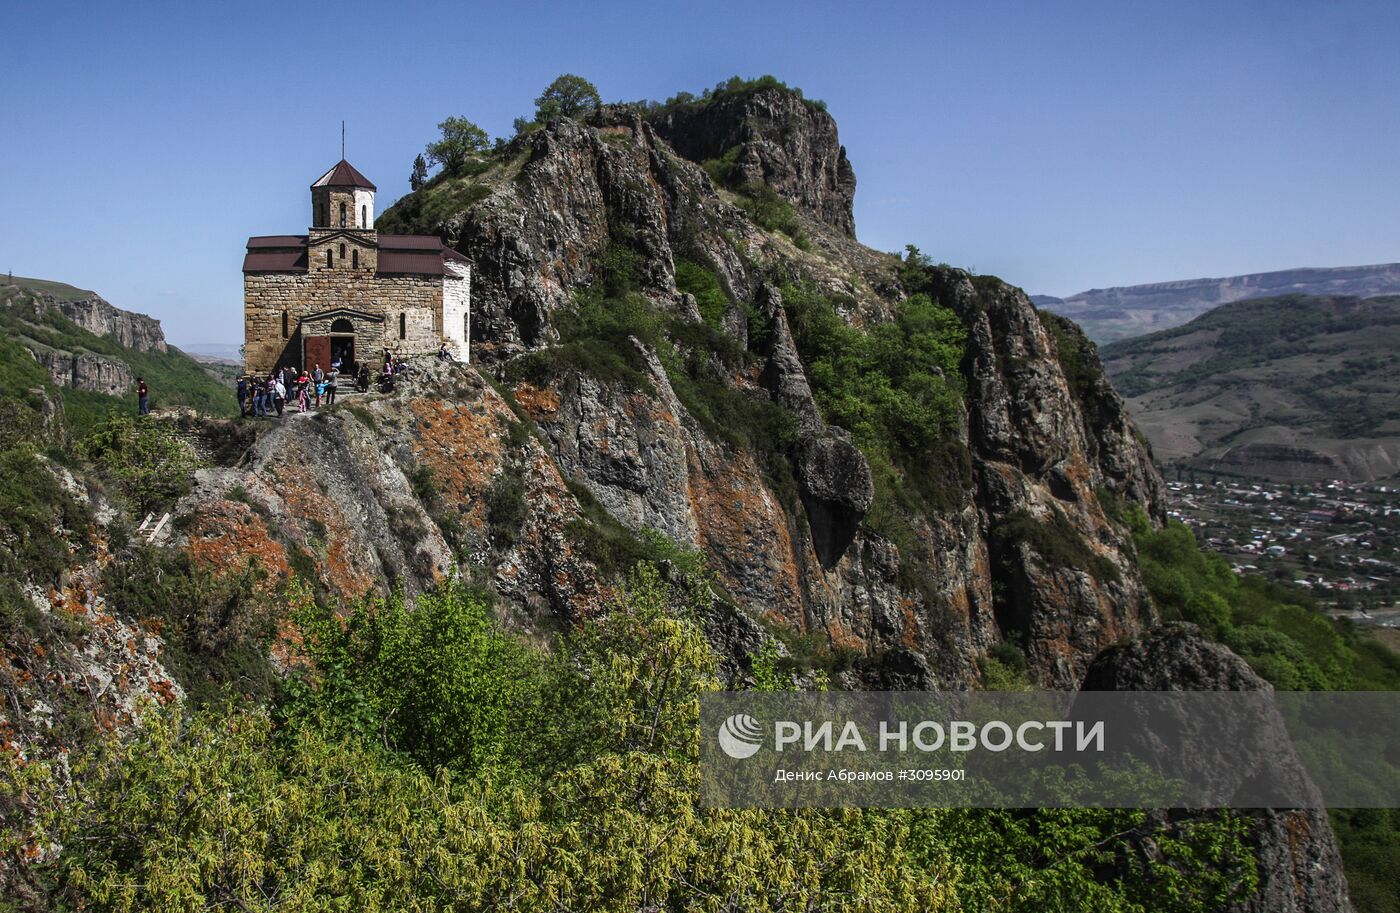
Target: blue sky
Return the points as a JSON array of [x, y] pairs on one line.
[[1061, 146]]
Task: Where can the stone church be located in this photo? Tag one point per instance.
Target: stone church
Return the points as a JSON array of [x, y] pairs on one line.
[[344, 292]]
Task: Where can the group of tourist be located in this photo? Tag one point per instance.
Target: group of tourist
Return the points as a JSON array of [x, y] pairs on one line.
[[264, 397]]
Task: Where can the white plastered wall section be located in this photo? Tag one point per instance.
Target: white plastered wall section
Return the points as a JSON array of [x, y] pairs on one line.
[[457, 309], [364, 202]]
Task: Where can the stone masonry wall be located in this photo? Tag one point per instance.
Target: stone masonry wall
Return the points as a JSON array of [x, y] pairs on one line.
[[320, 240], [266, 295]]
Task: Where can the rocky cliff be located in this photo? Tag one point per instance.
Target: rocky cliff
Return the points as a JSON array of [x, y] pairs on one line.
[[1020, 474], [1299, 865], [88, 310], [660, 378], [774, 137], [29, 306]]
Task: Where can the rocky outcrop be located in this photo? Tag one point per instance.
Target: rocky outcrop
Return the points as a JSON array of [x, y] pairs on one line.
[[834, 480], [1299, 865], [790, 541], [774, 137], [86, 371], [97, 316], [401, 492]]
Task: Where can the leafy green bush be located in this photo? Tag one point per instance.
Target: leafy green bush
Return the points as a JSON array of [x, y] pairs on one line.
[[37, 516], [506, 507], [445, 757], [1057, 542], [217, 627], [1281, 633], [705, 286], [149, 463], [734, 85], [768, 210], [437, 681], [897, 387]]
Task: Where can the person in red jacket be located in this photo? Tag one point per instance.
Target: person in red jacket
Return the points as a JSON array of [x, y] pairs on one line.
[[143, 404]]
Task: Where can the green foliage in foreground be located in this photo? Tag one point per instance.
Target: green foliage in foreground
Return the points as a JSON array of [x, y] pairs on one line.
[[1285, 639], [431, 761], [1279, 632]]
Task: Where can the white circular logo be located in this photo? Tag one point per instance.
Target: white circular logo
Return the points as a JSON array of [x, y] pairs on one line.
[[740, 736]]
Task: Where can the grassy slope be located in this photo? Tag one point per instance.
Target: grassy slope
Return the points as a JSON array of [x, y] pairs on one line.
[[1307, 369], [174, 378]]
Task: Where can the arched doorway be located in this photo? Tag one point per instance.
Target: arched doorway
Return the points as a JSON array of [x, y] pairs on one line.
[[343, 344]]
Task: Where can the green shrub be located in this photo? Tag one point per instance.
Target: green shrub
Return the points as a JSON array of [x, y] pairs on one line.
[[437, 681], [1078, 357], [150, 464], [1280, 632], [766, 209], [38, 520], [217, 627], [705, 286], [506, 507], [1057, 543], [444, 756]]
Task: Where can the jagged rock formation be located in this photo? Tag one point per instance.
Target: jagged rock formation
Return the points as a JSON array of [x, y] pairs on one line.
[[1300, 867], [86, 371], [773, 137], [89, 311], [398, 492], [135, 331], [1029, 449], [30, 300]]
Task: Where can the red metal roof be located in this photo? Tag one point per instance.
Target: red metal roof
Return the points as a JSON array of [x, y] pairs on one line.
[[415, 263], [419, 255], [277, 241], [344, 175], [410, 242], [278, 261]]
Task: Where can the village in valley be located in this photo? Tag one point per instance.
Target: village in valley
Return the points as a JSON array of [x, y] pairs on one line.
[[1336, 541]]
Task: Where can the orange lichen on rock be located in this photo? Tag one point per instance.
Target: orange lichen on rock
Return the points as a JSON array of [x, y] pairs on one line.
[[745, 532], [228, 538], [538, 402], [464, 447]]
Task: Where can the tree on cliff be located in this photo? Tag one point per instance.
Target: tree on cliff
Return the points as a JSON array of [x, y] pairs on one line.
[[461, 139], [567, 96], [419, 176]]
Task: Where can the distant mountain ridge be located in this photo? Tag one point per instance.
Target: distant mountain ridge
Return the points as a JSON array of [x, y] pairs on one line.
[[1294, 387], [1123, 312]]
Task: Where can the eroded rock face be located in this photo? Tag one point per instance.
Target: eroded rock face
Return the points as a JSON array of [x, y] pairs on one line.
[[795, 548], [97, 316], [85, 371], [776, 138], [1300, 867], [837, 489], [400, 491]]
